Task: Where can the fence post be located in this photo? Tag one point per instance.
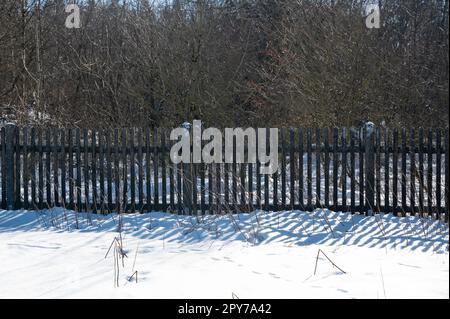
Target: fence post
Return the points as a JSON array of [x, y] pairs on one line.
[[370, 167], [9, 158], [187, 177]]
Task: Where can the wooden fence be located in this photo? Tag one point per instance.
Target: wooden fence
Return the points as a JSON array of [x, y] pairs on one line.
[[400, 171]]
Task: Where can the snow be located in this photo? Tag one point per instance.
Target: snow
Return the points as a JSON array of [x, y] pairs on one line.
[[61, 254]]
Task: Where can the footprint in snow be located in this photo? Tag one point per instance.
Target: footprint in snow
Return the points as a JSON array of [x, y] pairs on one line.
[[228, 259], [342, 290], [412, 266]]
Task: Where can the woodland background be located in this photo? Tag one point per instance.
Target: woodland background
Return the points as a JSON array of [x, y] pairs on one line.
[[228, 63]]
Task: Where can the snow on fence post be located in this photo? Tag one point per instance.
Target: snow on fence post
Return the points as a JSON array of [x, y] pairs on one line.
[[9, 159], [369, 166]]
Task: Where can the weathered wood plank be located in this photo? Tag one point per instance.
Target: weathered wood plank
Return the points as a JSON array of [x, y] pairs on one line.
[[395, 171], [117, 170], [26, 169], [33, 168], [318, 174], [292, 167], [430, 172], [438, 172], [283, 168], [352, 176], [412, 170], [148, 181], [421, 171], [447, 184], [163, 168], [54, 150], [86, 170], [387, 162], [156, 170], [403, 176], [48, 174], [300, 170], [344, 168], [309, 167], [62, 166], [4, 167], [18, 169], [109, 171], [132, 170], [79, 165], [140, 165], [335, 168]]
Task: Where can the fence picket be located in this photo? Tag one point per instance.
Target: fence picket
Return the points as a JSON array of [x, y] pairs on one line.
[[70, 167], [202, 185], [292, 167], [266, 177], [283, 168], [54, 151], [26, 169], [101, 169], [163, 168], [421, 172], [318, 175], [344, 169], [412, 171], [447, 186], [4, 167], [212, 183], [438, 172], [430, 172], [300, 170], [109, 175], [172, 182], [352, 176], [326, 168], [116, 170], [33, 165], [48, 173], [386, 169], [403, 152], [148, 182], [123, 205], [258, 175], [41, 169], [79, 165], [140, 171], [335, 168], [132, 171], [62, 166], [361, 180], [395, 172], [309, 167], [156, 170], [378, 169], [17, 197]]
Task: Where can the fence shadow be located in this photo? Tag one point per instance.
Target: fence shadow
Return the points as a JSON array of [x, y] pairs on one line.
[[320, 227]]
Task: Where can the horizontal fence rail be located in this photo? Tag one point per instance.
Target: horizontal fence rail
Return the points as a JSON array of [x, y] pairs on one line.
[[400, 171]]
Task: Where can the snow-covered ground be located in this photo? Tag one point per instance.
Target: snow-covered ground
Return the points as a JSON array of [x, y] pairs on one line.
[[61, 254]]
